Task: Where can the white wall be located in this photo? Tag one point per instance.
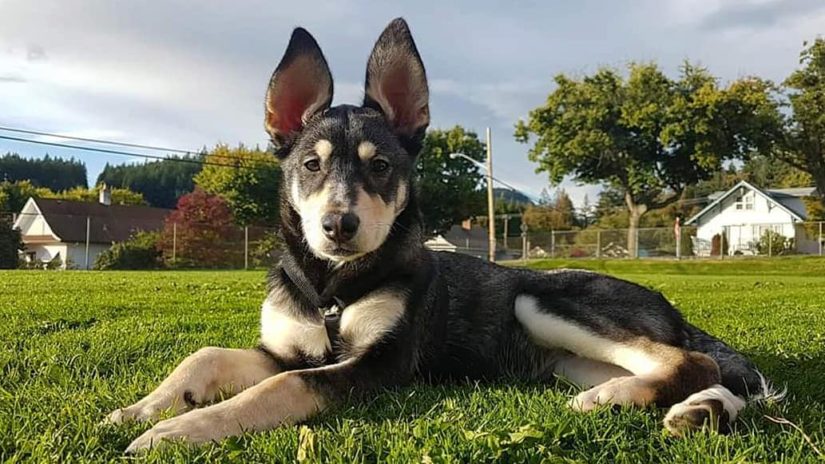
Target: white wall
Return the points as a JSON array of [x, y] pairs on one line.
[[73, 255], [77, 254], [46, 252], [745, 225]]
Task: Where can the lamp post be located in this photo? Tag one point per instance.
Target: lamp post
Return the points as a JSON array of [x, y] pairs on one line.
[[491, 218]]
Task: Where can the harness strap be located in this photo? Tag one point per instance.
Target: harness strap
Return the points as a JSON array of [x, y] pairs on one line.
[[330, 306]]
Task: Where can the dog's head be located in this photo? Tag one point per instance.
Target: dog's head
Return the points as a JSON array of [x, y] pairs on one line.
[[347, 170]]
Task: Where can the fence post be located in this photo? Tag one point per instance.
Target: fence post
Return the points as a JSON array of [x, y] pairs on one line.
[[770, 242], [552, 243], [679, 245], [636, 248], [88, 231], [506, 227], [598, 244], [820, 238], [722, 242], [524, 247], [174, 241], [246, 247]]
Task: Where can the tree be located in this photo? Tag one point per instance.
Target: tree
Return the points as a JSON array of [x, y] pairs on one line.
[[161, 183], [198, 231], [247, 179], [10, 245], [53, 173], [13, 195], [555, 214], [763, 171], [120, 196], [804, 141], [648, 136], [450, 189]]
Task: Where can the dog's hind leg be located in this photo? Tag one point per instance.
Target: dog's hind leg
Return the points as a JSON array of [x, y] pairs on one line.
[[719, 405], [201, 378], [659, 373]]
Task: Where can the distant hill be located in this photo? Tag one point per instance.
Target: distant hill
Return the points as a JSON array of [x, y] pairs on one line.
[[511, 196]]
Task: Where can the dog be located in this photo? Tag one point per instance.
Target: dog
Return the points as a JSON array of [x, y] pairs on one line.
[[358, 304]]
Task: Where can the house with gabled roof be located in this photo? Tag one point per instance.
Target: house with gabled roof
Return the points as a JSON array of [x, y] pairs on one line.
[[73, 233], [744, 213]]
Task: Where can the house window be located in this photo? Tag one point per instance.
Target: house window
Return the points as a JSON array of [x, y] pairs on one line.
[[745, 202]]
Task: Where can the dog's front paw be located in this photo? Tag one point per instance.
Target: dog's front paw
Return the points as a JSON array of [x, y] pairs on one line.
[[138, 412], [192, 428], [621, 391]]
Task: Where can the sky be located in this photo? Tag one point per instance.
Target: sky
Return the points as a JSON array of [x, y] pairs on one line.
[[185, 74]]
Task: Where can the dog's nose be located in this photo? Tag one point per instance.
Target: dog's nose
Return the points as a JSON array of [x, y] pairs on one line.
[[340, 227]]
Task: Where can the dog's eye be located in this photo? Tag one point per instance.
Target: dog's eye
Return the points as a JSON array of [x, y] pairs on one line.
[[313, 165], [378, 166]]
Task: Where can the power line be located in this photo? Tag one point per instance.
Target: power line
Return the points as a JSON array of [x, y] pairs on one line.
[[101, 141], [124, 153], [116, 143]]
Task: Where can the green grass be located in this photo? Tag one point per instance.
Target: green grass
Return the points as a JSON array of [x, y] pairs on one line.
[[744, 266], [77, 345]]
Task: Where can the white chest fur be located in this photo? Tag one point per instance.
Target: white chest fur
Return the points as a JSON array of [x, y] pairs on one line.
[[363, 323], [369, 319], [286, 335]]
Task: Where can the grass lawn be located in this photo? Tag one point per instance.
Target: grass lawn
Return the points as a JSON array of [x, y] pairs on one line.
[[77, 345]]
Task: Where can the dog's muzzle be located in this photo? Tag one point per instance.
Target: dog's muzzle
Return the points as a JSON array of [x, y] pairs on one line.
[[340, 228]]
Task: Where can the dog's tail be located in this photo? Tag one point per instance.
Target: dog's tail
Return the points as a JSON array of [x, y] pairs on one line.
[[739, 374]]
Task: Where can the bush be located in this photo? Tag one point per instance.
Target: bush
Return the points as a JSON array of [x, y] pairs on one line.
[[267, 252], [139, 252], [40, 265], [10, 245], [774, 243]]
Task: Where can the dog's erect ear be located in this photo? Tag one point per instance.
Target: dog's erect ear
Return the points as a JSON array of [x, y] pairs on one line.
[[397, 83], [300, 87]]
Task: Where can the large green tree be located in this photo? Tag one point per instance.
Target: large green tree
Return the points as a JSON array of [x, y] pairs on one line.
[[450, 189], [646, 135], [53, 173], [247, 179], [804, 142], [161, 183]]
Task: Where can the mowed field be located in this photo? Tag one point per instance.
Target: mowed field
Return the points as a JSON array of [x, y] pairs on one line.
[[76, 345]]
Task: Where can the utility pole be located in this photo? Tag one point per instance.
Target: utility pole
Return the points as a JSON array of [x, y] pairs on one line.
[[88, 232], [491, 218]]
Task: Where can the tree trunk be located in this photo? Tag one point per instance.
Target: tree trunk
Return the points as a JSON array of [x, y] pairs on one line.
[[819, 182], [636, 211]]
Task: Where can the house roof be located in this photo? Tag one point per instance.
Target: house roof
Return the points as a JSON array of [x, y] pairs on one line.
[[780, 197], [107, 224]]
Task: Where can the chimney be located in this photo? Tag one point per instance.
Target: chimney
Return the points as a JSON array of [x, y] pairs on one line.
[[105, 195]]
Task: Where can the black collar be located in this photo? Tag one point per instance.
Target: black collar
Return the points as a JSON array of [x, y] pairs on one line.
[[330, 306]]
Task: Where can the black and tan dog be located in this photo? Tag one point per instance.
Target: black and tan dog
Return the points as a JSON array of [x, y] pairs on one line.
[[359, 304]]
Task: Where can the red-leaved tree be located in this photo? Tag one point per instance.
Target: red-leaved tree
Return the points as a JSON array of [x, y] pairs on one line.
[[200, 232]]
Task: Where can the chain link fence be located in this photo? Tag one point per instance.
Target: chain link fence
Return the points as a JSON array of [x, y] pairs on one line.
[[777, 239], [78, 242]]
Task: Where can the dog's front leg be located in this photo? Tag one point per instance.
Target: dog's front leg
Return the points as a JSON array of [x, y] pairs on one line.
[[284, 399], [199, 379]]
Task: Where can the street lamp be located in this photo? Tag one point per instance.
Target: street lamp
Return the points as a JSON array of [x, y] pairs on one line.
[[491, 218]]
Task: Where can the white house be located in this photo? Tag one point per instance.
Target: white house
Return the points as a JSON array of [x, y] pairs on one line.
[[744, 213], [60, 230]]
